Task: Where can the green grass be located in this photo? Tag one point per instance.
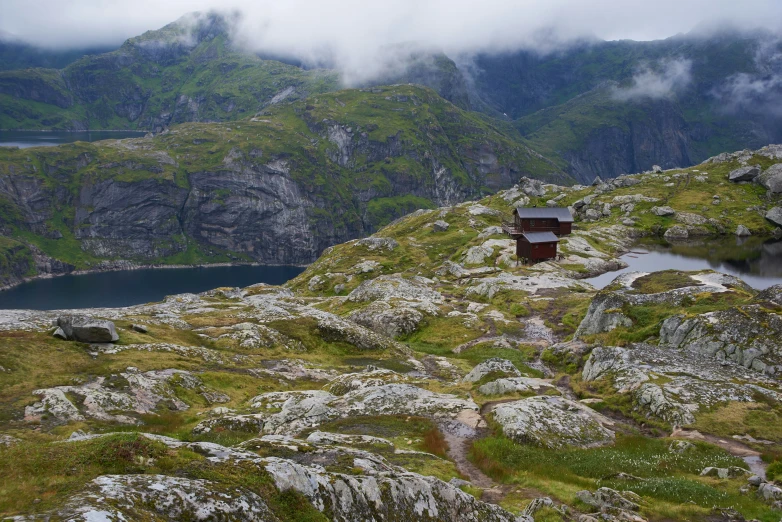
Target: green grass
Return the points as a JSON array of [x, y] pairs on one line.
[[670, 478]]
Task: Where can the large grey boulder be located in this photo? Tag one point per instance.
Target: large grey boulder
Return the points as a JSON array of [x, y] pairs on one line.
[[772, 179], [87, 329], [553, 422], [385, 319], [494, 366], [742, 231], [772, 293], [775, 216], [663, 211], [604, 314], [677, 232], [744, 174]]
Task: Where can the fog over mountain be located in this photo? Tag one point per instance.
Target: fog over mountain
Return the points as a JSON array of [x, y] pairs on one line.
[[353, 34]]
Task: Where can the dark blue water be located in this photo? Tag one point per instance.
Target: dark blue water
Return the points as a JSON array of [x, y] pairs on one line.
[[26, 139], [114, 289], [757, 262]]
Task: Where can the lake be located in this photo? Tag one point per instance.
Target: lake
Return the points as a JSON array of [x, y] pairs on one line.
[[757, 262], [131, 287], [26, 139]]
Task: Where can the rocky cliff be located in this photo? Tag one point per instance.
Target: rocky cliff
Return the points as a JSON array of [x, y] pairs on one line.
[[278, 188]]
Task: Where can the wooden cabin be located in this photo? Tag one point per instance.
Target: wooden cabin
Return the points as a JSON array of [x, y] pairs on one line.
[[537, 246], [549, 219], [537, 231]]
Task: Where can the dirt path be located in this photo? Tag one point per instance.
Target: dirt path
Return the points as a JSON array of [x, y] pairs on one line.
[[734, 447]]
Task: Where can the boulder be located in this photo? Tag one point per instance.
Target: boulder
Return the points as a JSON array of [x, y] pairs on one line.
[[382, 318], [440, 226], [140, 328], [677, 232], [663, 211], [743, 231], [477, 254], [657, 169], [607, 498], [592, 214], [775, 216], [553, 422], [508, 385], [58, 333], [725, 473], [772, 179], [378, 243], [744, 174], [772, 293], [494, 366], [87, 329], [604, 314]]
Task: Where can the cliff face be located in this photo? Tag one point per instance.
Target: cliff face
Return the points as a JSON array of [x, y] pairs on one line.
[[276, 189]]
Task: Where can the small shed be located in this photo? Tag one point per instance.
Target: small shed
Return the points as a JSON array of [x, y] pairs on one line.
[[537, 246], [557, 220]]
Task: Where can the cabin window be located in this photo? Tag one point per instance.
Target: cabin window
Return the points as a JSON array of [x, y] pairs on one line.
[[536, 246], [532, 222]]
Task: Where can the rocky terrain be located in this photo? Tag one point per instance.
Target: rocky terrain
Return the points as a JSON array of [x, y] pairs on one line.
[[420, 373]]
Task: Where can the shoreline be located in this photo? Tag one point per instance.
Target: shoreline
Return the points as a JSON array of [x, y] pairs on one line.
[[72, 130], [132, 267]]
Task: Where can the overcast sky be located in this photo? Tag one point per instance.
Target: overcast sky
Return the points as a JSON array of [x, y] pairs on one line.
[[452, 25]]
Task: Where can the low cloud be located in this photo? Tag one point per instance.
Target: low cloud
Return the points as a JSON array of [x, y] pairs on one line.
[[758, 92], [663, 80]]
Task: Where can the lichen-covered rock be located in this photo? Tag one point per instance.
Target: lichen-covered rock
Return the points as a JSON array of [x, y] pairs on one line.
[[160, 497], [388, 320], [118, 398], [775, 216], [440, 226], [604, 314], [353, 381], [772, 294], [87, 329], [494, 366], [477, 255], [747, 335], [771, 179], [673, 385], [395, 286], [515, 385], [553, 422], [677, 232], [742, 231], [663, 211], [320, 438], [288, 413], [748, 173], [607, 499], [725, 473], [378, 243]]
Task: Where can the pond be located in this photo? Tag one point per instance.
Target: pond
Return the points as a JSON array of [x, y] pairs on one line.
[[26, 139], [758, 262], [131, 287]]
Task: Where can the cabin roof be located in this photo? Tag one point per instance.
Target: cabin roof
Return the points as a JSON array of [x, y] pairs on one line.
[[540, 237], [561, 214]]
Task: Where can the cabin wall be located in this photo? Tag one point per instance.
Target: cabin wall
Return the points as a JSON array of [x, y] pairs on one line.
[[565, 229], [540, 225], [536, 252]]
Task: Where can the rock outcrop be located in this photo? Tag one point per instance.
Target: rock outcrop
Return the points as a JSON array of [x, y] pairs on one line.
[[553, 422], [87, 329]]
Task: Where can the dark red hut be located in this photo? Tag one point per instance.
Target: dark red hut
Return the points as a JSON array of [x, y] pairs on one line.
[[537, 246], [537, 230]]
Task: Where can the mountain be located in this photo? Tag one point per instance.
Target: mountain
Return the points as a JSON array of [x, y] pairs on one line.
[[594, 107], [278, 188], [614, 107]]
